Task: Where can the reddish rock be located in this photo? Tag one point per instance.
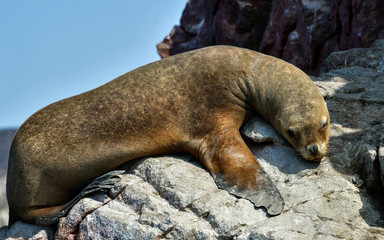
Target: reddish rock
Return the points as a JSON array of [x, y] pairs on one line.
[[297, 31], [303, 32], [212, 22], [358, 23], [195, 30]]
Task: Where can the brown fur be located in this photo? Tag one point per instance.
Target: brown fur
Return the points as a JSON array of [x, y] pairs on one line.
[[193, 102]]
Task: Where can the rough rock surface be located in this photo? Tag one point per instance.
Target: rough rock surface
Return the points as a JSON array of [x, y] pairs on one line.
[[303, 32], [353, 81], [21, 230], [174, 197], [6, 137], [3, 201]]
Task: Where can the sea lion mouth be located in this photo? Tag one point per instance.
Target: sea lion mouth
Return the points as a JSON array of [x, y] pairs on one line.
[[313, 153], [316, 159]]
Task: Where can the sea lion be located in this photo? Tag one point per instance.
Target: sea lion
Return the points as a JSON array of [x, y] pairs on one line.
[[194, 102]]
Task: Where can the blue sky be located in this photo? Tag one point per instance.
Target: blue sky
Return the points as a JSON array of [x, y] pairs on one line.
[[50, 50]]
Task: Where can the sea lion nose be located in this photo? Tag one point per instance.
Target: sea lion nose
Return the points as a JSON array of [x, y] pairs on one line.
[[313, 149]]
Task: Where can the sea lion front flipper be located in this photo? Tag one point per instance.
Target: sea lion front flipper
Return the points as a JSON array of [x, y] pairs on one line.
[[235, 169], [265, 196]]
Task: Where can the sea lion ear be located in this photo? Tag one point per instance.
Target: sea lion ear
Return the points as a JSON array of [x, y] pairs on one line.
[[266, 195]]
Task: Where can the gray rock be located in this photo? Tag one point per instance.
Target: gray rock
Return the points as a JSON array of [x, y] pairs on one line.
[[381, 161], [3, 201], [355, 100], [174, 197], [6, 136], [78, 213], [369, 58], [260, 131], [20, 230], [149, 212], [369, 167]]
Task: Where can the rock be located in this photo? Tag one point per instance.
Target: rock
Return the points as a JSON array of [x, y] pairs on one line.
[[175, 197], [356, 179], [205, 23], [369, 167], [6, 136], [297, 32], [302, 32], [3, 201], [264, 132], [371, 58], [359, 23], [78, 213], [381, 161], [356, 105], [20, 230]]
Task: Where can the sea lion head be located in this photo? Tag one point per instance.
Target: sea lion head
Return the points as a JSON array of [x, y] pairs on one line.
[[306, 127], [290, 101]]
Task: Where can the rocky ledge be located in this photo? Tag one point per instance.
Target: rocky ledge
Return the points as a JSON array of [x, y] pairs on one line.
[[174, 197]]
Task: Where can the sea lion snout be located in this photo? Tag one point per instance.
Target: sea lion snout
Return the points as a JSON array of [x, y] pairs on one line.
[[313, 152]]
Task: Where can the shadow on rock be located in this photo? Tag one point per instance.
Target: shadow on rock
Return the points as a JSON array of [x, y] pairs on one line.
[[352, 84]]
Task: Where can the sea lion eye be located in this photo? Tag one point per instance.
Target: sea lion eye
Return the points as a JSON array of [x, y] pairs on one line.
[[325, 125], [291, 133]]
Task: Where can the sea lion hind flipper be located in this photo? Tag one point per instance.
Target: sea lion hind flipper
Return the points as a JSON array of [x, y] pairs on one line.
[[266, 195], [102, 183]]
